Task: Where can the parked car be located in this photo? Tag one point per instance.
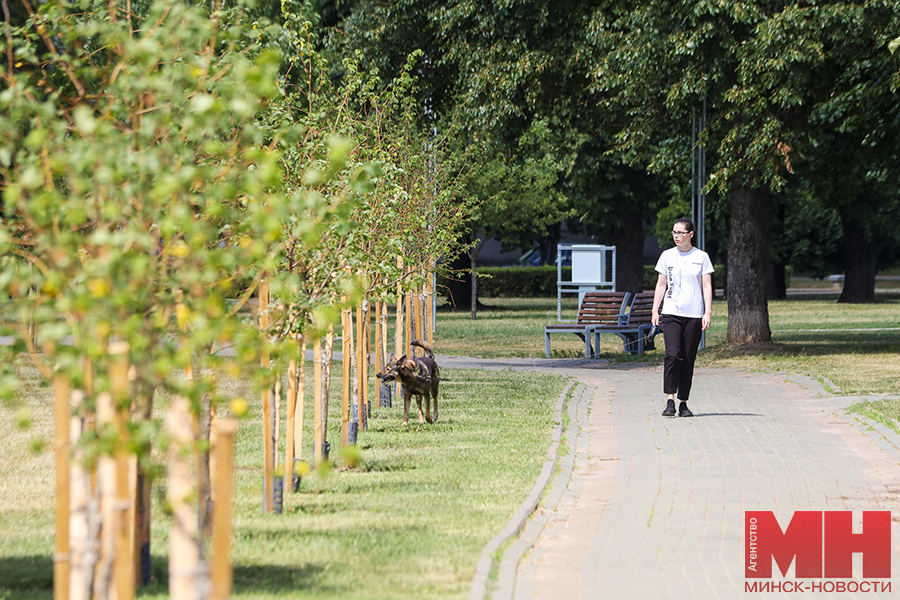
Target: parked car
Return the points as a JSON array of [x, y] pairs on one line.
[[532, 258]]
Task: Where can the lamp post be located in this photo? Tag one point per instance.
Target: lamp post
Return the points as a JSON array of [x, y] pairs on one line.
[[698, 182]]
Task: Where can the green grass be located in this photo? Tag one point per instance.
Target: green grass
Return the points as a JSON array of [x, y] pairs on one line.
[[886, 412], [410, 522], [813, 335], [817, 337], [413, 519]]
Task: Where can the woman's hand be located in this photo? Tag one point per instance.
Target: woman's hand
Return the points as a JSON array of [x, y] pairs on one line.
[[658, 292], [706, 320]]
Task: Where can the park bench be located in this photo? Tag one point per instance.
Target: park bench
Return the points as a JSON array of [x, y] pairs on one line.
[[597, 309], [635, 328]]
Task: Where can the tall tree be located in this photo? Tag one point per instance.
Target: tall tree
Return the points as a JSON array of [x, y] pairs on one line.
[[756, 65], [852, 145], [506, 68]]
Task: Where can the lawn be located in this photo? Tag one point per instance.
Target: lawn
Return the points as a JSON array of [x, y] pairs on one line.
[[411, 521], [853, 346]]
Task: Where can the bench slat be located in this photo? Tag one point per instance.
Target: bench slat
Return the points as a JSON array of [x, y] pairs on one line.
[[596, 309]]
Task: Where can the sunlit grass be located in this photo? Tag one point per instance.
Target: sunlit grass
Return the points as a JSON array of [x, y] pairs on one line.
[[409, 522], [814, 335]]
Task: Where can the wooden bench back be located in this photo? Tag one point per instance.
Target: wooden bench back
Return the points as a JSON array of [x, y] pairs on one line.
[[601, 308], [641, 309]]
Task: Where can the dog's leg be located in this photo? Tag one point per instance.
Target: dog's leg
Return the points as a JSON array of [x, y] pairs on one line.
[[421, 415], [407, 397], [428, 407], [434, 393]]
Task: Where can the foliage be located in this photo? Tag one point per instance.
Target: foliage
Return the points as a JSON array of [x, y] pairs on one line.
[[514, 77], [394, 191], [137, 188], [895, 79], [812, 234], [517, 194]]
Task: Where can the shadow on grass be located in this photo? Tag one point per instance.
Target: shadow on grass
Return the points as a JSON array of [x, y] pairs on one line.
[[826, 344], [257, 579], [26, 577], [31, 577], [819, 343]]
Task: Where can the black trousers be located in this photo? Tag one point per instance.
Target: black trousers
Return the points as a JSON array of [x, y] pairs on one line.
[[682, 335]]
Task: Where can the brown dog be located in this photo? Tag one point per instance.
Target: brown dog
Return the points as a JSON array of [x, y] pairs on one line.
[[420, 378]]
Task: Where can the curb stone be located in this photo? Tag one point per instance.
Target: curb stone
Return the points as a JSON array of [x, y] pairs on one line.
[[479, 590], [577, 439]]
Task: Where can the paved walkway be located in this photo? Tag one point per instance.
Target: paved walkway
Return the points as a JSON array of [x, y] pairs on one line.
[[649, 507]]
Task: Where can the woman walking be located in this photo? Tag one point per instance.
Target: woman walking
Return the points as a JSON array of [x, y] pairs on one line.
[[684, 288]]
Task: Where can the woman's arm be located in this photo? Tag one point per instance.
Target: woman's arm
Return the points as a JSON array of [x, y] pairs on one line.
[[707, 300], [658, 293]]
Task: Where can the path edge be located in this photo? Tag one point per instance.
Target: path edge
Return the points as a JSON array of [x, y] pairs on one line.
[[478, 589]]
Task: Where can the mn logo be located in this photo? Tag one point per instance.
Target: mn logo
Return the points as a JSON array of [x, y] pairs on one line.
[[821, 543]]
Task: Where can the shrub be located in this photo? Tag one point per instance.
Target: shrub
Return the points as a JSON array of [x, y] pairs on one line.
[[540, 282]]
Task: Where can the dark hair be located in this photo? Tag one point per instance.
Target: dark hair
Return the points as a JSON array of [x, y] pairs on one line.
[[688, 225]]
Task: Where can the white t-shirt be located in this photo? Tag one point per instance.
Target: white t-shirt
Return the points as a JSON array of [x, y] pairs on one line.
[[684, 273]]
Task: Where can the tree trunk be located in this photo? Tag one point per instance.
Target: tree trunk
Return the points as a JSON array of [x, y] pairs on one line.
[[459, 285], [548, 244], [628, 239], [474, 286], [776, 280], [776, 273], [748, 311], [204, 483], [860, 255]]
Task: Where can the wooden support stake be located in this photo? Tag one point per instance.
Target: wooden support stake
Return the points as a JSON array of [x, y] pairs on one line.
[[347, 361], [398, 334], [184, 551], [126, 471], [417, 302], [430, 309], [398, 323], [301, 391], [213, 459], [61, 558], [360, 382], [327, 355], [378, 335], [267, 414], [79, 531], [221, 570], [409, 326], [317, 401], [289, 438], [366, 343], [276, 431], [383, 319], [106, 490]]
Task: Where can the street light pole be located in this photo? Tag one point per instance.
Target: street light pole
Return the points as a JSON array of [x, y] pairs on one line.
[[698, 183]]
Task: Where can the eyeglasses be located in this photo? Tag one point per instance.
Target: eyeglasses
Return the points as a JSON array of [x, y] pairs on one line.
[[677, 233]]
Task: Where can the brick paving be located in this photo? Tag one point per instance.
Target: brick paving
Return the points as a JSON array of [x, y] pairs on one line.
[[652, 507]]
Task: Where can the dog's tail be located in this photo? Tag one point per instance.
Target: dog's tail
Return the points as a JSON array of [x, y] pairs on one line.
[[425, 346]]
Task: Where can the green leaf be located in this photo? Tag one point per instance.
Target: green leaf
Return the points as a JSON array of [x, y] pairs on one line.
[[894, 44], [84, 120]]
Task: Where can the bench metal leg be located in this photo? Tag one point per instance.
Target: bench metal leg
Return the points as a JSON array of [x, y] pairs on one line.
[[547, 344]]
